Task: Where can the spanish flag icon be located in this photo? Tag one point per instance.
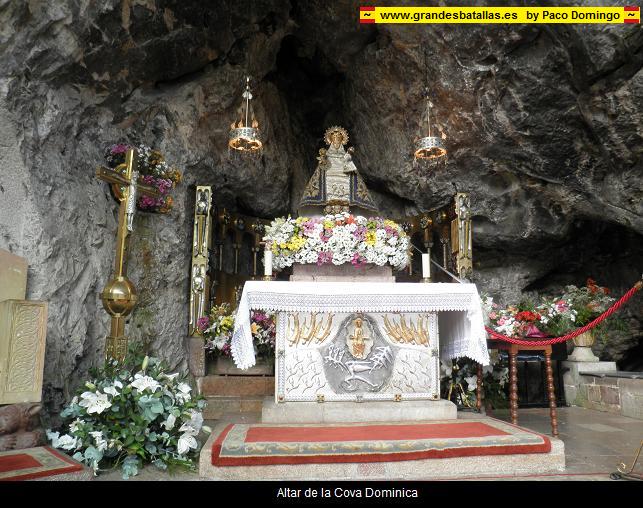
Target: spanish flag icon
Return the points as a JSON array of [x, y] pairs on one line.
[[632, 14], [366, 14]]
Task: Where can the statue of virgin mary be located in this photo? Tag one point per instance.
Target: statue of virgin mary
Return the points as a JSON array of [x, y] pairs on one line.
[[336, 185]]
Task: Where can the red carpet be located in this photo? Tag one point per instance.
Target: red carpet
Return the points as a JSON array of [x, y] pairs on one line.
[[264, 444], [35, 463]]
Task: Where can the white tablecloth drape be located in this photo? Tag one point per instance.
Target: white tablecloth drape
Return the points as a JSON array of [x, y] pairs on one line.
[[461, 325]]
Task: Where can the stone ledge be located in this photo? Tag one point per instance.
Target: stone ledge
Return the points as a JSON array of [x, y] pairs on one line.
[[614, 374], [599, 386], [217, 406], [370, 411], [237, 386]]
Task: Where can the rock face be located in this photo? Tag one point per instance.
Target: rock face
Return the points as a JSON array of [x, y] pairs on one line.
[[543, 127]]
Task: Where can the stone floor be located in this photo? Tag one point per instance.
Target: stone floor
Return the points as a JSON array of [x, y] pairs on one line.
[[595, 443]]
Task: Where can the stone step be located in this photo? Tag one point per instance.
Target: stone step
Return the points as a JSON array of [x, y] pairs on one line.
[[218, 405], [237, 386]]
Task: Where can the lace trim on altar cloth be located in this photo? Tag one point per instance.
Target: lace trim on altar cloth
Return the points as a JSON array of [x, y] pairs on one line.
[[359, 303], [461, 333]]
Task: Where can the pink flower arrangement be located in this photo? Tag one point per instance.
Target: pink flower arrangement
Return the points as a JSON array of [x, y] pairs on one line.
[[337, 239], [154, 172]]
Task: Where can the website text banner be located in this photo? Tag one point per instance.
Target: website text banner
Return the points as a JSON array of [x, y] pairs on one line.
[[412, 15]]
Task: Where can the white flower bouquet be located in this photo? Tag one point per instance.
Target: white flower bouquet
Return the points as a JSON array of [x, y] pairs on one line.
[[132, 417], [337, 239]]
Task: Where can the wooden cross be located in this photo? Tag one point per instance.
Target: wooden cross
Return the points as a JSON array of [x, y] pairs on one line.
[[119, 295]]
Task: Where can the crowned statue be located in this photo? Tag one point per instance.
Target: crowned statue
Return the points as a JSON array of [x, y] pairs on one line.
[[336, 184]]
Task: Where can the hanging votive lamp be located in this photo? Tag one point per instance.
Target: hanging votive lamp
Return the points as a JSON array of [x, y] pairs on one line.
[[244, 133], [430, 146]]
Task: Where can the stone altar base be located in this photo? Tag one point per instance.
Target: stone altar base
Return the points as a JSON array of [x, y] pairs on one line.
[[369, 411], [342, 273], [422, 469]]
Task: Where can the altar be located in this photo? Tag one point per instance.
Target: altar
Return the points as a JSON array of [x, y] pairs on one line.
[[362, 341], [358, 340]]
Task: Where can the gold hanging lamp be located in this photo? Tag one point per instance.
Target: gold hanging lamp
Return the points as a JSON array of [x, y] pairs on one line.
[[244, 134], [430, 146]]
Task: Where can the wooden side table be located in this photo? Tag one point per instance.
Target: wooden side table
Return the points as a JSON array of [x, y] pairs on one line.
[[513, 350]]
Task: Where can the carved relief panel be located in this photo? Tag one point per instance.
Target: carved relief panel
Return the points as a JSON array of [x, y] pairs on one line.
[[23, 329], [356, 356]]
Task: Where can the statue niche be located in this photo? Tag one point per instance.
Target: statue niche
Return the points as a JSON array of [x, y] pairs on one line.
[[336, 184]]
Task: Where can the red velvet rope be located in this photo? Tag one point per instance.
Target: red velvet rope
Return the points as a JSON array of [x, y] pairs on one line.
[[576, 332]]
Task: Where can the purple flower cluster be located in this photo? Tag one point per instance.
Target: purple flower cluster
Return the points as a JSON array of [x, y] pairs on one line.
[[119, 148], [150, 203], [324, 258], [360, 233], [390, 231], [358, 260], [203, 324], [163, 185]]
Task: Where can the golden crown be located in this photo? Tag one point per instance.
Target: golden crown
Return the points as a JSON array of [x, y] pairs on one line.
[[328, 135]]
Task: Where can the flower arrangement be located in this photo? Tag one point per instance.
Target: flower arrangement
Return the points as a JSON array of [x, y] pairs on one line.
[[153, 171], [459, 381], [128, 415], [337, 239], [216, 329], [218, 326], [553, 317]]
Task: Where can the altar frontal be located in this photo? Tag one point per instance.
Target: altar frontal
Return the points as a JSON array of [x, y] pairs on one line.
[[362, 341]]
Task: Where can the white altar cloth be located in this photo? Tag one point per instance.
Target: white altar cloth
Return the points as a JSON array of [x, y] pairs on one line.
[[461, 324]]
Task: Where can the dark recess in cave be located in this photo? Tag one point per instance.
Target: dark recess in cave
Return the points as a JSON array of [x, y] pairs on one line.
[[311, 86], [606, 252]]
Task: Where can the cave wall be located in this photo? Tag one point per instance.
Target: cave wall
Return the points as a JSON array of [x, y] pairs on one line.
[[543, 127]]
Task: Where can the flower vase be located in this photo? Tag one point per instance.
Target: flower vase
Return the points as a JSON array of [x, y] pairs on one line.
[[583, 348]]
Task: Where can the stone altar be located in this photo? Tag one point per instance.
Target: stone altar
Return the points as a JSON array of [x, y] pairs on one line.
[[363, 350], [342, 273]]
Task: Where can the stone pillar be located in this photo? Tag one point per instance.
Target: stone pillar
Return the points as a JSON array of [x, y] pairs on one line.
[[196, 359]]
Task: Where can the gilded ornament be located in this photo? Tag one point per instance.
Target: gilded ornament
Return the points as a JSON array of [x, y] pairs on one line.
[[403, 333], [312, 331]]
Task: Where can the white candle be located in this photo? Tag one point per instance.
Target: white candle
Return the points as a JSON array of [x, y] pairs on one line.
[[426, 266], [267, 263]]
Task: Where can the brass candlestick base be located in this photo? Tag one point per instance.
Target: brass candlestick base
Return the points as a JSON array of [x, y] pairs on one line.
[[427, 279], [268, 277]]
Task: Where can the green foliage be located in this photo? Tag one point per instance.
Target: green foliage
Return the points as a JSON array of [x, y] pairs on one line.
[[130, 414], [459, 382]]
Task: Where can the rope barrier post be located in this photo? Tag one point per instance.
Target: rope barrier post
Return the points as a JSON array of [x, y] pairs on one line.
[[513, 385], [551, 393]]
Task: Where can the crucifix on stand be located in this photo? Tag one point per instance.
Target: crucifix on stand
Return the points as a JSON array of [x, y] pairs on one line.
[[119, 295]]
